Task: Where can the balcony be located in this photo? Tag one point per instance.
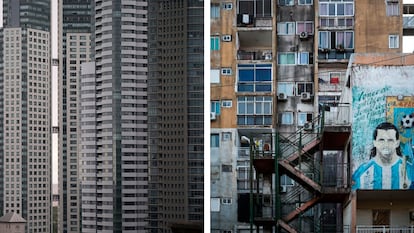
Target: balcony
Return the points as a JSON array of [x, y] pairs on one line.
[[384, 229], [265, 55], [334, 54], [338, 114]]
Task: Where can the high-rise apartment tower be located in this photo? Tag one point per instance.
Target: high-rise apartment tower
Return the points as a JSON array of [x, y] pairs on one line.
[[113, 120], [74, 49], [25, 115], [175, 115]]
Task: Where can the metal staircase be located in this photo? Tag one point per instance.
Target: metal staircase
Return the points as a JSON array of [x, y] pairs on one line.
[[299, 156]]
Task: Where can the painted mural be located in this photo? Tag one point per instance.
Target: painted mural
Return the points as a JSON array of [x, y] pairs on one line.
[[382, 129]]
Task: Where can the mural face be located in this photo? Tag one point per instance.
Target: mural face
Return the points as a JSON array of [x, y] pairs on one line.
[[383, 119]]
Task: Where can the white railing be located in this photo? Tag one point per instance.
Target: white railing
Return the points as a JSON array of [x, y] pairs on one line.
[[385, 229]]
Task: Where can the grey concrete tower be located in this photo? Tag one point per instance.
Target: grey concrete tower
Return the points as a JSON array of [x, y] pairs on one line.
[[25, 116], [74, 49], [113, 120]]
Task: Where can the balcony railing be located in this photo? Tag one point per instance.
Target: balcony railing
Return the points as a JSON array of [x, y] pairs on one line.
[[254, 55], [385, 229], [339, 114]]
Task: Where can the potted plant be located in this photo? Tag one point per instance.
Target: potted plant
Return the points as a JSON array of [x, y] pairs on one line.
[[324, 50], [340, 48]]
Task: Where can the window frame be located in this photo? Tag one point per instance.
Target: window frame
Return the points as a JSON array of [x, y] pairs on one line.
[[304, 4], [286, 28], [225, 103], [299, 90], [305, 23], [280, 58], [307, 115], [283, 90], [392, 8], [214, 140], [215, 11], [215, 106], [393, 41], [254, 110], [261, 78], [283, 118], [215, 43]]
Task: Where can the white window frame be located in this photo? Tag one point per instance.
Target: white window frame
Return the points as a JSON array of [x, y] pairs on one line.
[[226, 200], [394, 41], [286, 2], [226, 136], [226, 71], [283, 87], [227, 5], [323, 5], [226, 103], [217, 106], [286, 28]]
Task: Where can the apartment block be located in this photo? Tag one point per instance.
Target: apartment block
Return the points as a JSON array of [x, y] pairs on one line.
[[25, 148], [280, 127]]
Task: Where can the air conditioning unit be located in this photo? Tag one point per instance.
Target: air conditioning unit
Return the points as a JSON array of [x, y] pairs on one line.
[[213, 116], [305, 96], [226, 38], [303, 35], [308, 126], [282, 96], [283, 189]]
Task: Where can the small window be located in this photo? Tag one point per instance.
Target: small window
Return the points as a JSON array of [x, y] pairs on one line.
[[286, 88], [226, 71], [393, 41], [215, 43], [226, 103], [226, 136], [215, 11], [214, 140], [226, 168], [226, 200], [304, 87], [334, 78], [392, 8], [215, 107], [227, 5], [305, 2], [286, 28], [286, 118], [286, 2], [226, 38], [286, 58], [304, 117], [303, 58]]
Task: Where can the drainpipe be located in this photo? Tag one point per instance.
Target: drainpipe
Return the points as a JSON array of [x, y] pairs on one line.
[[276, 182]]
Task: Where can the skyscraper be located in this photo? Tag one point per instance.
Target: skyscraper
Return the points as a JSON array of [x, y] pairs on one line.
[[74, 49], [175, 115], [25, 116], [113, 120]]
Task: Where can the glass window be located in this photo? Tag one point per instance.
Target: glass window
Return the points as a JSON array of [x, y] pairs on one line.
[[215, 11], [226, 103], [287, 58], [215, 107], [255, 78], [215, 43], [305, 26], [286, 28], [304, 117], [286, 118], [393, 9], [286, 180], [305, 2], [215, 140], [304, 87], [257, 8], [286, 2], [254, 110], [286, 88], [393, 41], [303, 58]]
